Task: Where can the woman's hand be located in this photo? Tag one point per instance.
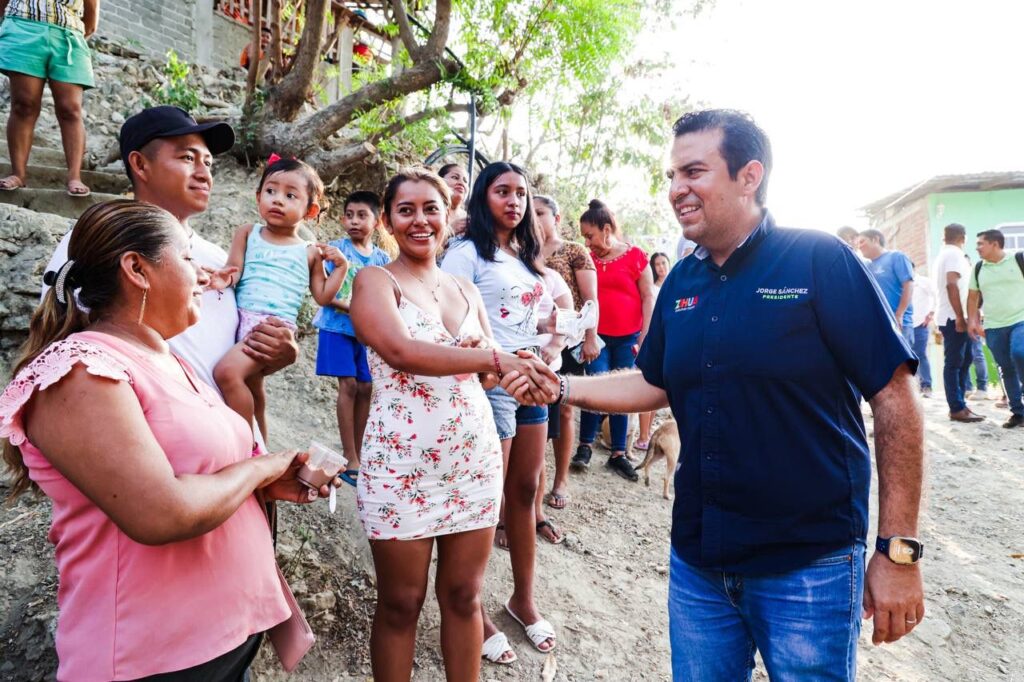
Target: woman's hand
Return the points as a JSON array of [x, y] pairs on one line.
[[537, 375], [590, 349], [281, 482], [525, 391]]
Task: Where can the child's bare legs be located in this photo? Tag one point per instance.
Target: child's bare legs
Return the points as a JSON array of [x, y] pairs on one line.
[[259, 402], [645, 427], [353, 411], [233, 374]]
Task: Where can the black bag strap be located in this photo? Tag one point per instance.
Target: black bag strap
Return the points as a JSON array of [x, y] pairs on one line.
[[1020, 261]]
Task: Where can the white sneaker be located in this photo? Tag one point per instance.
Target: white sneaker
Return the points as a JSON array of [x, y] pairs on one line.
[[982, 395], [969, 395]]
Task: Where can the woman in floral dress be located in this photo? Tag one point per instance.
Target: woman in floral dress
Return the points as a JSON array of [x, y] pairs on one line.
[[431, 468]]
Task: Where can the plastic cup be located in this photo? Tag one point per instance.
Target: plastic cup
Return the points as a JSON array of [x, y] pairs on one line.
[[321, 467]]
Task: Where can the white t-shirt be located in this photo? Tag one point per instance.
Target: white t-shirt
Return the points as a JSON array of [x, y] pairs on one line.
[[951, 259], [203, 344], [555, 288], [924, 298], [510, 292]]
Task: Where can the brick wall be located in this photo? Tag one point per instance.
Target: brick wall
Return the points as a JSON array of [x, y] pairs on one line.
[[151, 25], [906, 230], [230, 37]]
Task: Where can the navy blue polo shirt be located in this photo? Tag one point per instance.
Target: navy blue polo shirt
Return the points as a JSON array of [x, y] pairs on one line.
[[762, 360]]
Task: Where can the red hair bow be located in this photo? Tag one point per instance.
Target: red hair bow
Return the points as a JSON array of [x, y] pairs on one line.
[[273, 158]]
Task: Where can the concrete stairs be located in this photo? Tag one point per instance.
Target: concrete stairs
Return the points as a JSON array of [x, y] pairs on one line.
[[47, 193]]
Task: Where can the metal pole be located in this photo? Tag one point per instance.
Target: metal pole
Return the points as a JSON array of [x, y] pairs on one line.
[[472, 139]]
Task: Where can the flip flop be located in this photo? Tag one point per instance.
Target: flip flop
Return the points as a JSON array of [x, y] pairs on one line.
[[495, 647], [537, 632], [557, 500], [642, 444], [80, 189], [7, 185], [558, 535], [349, 476]]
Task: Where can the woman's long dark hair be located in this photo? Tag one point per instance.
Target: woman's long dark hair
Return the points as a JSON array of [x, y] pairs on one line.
[[480, 230]]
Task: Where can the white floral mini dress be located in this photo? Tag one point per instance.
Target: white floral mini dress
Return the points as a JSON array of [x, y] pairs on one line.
[[431, 458]]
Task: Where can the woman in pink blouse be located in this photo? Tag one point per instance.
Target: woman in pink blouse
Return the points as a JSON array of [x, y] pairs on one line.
[[164, 553]]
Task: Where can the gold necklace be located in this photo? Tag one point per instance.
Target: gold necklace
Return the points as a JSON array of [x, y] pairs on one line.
[[433, 292]]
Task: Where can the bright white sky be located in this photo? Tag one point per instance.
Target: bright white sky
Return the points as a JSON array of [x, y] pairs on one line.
[[860, 99]]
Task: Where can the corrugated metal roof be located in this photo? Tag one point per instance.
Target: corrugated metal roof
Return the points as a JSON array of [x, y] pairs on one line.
[[969, 182]]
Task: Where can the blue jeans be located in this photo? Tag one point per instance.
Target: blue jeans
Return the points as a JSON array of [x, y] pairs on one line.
[[1007, 346], [804, 622], [616, 354], [980, 366], [956, 349], [920, 346]]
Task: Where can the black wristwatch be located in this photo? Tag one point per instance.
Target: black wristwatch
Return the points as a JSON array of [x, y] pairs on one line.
[[900, 550]]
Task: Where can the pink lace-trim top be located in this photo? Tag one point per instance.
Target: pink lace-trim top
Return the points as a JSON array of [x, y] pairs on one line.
[[128, 610]]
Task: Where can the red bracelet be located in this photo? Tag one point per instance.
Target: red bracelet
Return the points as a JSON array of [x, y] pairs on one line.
[[497, 362]]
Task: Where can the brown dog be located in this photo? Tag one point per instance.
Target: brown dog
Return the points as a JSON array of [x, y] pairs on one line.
[[664, 443]]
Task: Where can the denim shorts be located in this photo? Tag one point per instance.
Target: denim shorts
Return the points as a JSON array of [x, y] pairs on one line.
[[508, 414]]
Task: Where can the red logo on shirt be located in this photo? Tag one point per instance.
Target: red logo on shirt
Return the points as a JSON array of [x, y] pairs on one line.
[[686, 303]]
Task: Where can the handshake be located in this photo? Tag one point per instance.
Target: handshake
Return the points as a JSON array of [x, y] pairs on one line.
[[523, 374]]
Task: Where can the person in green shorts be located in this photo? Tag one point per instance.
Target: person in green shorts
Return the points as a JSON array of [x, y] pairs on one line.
[[997, 289], [44, 41]]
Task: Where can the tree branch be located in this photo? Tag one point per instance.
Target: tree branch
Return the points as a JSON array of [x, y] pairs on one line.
[[401, 124], [320, 125], [276, 52], [255, 57], [405, 30], [295, 87], [332, 162], [439, 34]]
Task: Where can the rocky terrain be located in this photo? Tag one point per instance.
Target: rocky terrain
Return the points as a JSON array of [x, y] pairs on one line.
[[604, 589]]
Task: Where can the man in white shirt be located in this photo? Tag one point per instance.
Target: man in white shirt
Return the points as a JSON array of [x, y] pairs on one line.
[[168, 158], [924, 312], [952, 270]]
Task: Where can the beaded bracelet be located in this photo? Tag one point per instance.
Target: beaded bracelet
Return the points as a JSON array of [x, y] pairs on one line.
[[563, 390], [497, 363]]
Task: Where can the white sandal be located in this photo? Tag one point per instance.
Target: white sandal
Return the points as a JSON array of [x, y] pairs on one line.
[[495, 647], [537, 632]]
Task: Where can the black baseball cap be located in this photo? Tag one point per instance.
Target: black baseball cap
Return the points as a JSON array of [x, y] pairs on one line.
[[168, 121]]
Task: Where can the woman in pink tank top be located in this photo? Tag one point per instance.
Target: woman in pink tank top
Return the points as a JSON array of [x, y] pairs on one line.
[[164, 554]]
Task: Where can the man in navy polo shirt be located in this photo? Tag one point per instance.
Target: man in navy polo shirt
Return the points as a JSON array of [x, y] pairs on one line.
[[760, 343]]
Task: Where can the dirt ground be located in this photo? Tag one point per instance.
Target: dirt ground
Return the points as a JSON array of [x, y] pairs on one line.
[[604, 589]]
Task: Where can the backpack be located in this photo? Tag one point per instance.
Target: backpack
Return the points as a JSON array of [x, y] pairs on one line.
[[1019, 257]]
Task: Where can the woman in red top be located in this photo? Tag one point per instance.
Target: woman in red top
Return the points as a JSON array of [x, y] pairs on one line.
[[625, 294]]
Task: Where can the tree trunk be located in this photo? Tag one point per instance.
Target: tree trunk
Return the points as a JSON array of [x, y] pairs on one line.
[[287, 97]]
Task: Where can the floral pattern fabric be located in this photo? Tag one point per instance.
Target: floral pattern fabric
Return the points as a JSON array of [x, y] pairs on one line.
[[431, 458]]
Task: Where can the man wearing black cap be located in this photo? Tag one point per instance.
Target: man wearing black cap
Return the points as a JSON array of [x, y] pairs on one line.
[[168, 158]]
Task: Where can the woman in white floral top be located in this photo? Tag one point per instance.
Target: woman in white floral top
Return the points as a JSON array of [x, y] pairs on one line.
[[431, 466]]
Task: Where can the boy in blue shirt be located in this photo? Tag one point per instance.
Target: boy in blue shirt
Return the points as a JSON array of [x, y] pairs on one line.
[[339, 354]]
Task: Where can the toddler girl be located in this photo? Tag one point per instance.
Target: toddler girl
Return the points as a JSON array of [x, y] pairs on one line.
[[273, 267]]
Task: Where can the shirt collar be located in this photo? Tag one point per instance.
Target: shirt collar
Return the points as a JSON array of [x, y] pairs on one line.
[[767, 222]]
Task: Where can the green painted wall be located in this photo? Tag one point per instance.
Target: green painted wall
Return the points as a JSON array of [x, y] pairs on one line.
[[976, 211]]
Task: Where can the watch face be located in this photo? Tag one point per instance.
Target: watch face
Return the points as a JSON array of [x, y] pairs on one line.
[[901, 551]]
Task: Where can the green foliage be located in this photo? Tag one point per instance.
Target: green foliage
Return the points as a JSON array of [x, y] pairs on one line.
[[177, 91]]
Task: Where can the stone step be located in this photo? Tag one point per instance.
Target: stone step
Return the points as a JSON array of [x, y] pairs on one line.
[[44, 156], [54, 177], [55, 201]]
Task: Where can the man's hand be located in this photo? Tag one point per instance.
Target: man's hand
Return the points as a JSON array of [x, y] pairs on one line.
[[894, 597], [272, 344], [961, 325], [975, 330]]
